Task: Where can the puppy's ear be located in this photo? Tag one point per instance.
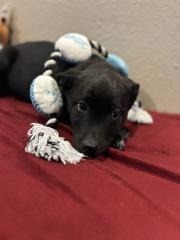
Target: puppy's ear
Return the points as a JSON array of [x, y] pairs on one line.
[[134, 92], [132, 88], [68, 79]]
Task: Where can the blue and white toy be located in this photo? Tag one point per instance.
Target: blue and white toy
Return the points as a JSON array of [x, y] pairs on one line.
[[74, 48], [118, 63]]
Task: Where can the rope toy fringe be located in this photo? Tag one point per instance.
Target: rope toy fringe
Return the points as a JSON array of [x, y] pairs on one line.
[[45, 142]]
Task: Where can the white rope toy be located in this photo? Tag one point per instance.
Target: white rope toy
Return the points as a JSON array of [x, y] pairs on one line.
[[45, 142]]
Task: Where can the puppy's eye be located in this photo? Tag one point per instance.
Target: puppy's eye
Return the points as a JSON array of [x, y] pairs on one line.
[[82, 107], [115, 115]]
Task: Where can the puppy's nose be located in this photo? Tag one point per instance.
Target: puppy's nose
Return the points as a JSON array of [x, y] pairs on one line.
[[90, 148]]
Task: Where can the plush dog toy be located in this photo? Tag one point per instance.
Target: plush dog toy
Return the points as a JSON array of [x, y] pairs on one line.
[[46, 96]]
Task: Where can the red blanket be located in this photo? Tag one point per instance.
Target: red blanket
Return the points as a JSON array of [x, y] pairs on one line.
[[128, 195]]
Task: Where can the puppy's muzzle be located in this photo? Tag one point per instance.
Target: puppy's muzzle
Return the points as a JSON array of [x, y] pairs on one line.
[[89, 148]]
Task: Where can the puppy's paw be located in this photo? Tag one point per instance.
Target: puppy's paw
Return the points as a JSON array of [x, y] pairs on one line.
[[140, 116], [120, 140], [119, 144]]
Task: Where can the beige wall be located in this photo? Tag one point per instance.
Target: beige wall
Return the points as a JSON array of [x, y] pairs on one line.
[[146, 33]]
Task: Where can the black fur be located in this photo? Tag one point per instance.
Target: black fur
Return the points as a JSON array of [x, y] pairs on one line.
[[103, 90], [93, 86]]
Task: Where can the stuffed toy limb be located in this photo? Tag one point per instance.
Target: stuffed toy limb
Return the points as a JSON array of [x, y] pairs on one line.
[[46, 97], [138, 115]]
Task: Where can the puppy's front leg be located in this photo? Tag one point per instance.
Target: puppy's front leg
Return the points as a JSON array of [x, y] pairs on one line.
[[120, 140]]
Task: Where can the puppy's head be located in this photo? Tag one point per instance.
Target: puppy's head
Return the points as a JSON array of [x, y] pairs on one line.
[[98, 100]]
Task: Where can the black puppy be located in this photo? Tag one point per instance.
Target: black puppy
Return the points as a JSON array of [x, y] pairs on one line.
[[96, 97], [98, 100]]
